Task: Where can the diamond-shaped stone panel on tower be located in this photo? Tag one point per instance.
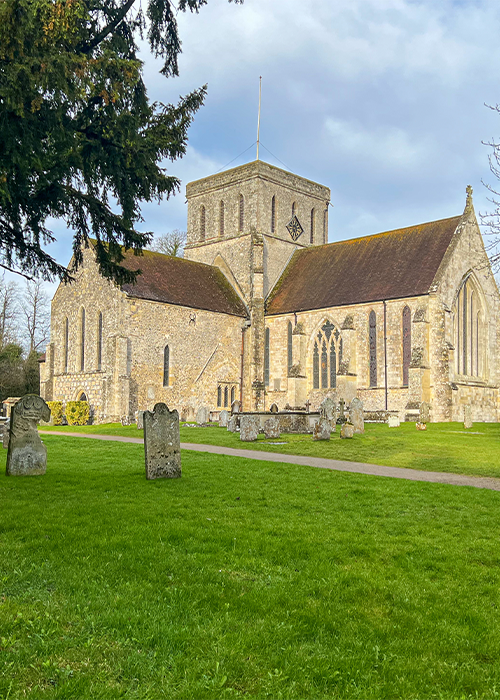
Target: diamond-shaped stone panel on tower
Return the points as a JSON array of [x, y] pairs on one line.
[[294, 228]]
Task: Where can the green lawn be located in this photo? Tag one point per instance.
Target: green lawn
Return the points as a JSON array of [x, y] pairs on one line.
[[243, 579], [445, 447]]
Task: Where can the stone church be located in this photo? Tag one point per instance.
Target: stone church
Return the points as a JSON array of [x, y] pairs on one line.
[[264, 310]]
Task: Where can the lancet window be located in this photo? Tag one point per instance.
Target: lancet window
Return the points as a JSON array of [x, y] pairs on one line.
[[273, 214], [312, 227], [202, 223], [327, 356], [294, 209], [406, 344], [241, 213], [166, 366], [325, 233], [221, 219], [66, 344], [373, 348], [468, 317], [82, 339], [226, 393]]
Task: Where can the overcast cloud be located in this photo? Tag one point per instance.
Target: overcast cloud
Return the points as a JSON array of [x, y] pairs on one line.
[[380, 100]]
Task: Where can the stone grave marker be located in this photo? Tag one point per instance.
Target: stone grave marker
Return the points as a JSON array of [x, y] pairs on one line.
[[327, 409], [272, 427], [274, 408], [162, 443], [322, 429], [347, 430], [27, 455], [232, 424], [341, 417], [202, 415], [235, 407], [249, 428], [356, 415], [223, 419], [125, 420], [140, 420], [424, 413], [393, 421], [468, 416], [5, 435]]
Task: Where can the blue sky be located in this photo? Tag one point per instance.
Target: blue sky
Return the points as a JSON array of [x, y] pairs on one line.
[[380, 100]]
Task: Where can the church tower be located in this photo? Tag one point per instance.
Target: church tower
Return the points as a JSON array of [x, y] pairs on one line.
[[248, 222]]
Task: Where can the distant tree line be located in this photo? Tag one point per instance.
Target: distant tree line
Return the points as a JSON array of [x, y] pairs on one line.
[[24, 331]]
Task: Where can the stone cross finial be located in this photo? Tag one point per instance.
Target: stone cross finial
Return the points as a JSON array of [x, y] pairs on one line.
[[468, 202]]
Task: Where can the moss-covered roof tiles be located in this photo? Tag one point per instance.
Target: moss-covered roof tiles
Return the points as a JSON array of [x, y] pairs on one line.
[[391, 265], [183, 282]]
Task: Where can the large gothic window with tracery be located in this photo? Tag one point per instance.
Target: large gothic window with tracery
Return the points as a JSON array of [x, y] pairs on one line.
[[327, 356], [406, 344], [468, 319], [373, 348]]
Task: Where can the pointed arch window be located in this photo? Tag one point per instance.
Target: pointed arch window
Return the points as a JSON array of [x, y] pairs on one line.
[[327, 356], [221, 218], [241, 222], [226, 396], [373, 348], [66, 344], [468, 315], [311, 240], [266, 357], [294, 209], [233, 394], [203, 223], [406, 344], [289, 347], [166, 366], [99, 341], [219, 396], [325, 227], [82, 339], [273, 214]]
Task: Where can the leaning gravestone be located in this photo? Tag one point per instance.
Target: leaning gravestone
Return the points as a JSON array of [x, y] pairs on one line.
[[347, 430], [202, 415], [249, 428], [272, 427], [162, 443], [223, 419], [322, 429], [140, 420], [232, 424], [424, 413], [468, 416], [356, 415], [27, 455]]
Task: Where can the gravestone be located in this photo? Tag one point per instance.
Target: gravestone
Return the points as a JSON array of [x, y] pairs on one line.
[[140, 420], [249, 428], [341, 417], [202, 416], [274, 408], [5, 436], [272, 427], [125, 420], [356, 415], [468, 416], [232, 424], [424, 413], [327, 409], [347, 430], [223, 419], [393, 421], [27, 455], [235, 407], [322, 429], [162, 443]]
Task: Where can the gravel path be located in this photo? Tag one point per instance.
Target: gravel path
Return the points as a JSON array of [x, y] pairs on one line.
[[480, 482]]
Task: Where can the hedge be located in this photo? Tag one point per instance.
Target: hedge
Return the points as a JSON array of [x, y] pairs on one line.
[[77, 412], [56, 412]]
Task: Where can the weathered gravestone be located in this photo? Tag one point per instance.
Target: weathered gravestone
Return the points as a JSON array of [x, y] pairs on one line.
[[272, 427], [322, 429], [328, 410], [393, 421], [5, 434], [232, 424], [202, 416], [274, 408], [162, 443], [341, 417], [249, 428], [140, 420], [223, 419], [27, 455], [235, 407], [347, 430], [468, 416], [125, 420], [356, 415], [424, 413]]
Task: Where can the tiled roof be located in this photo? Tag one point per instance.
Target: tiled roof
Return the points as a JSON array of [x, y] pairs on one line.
[[182, 282], [391, 265]]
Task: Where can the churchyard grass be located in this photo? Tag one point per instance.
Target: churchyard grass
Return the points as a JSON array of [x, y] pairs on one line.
[[243, 579], [444, 447]]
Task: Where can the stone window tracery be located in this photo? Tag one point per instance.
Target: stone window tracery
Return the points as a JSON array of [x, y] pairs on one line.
[[166, 366], [327, 356], [221, 218], [273, 214], [241, 214], [468, 319], [406, 344], [373, 348], [226, 393], [202, 223]]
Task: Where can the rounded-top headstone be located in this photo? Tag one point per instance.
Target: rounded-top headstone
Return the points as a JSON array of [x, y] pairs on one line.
[[27, 455]]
